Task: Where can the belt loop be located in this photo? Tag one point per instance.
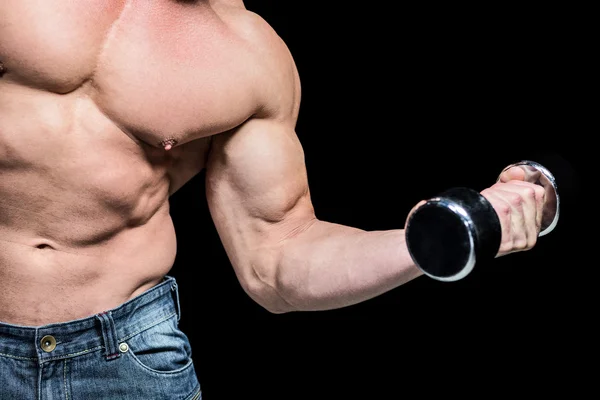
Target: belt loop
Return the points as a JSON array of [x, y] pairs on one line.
[[109, 335], [175, 289]]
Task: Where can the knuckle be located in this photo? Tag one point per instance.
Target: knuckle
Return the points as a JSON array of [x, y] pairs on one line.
[[520, 243], [532, 242], [530, 192], [503, 209], [515, 200], [540, 192]]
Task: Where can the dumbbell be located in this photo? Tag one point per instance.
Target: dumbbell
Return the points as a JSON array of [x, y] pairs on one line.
[[450, 233]]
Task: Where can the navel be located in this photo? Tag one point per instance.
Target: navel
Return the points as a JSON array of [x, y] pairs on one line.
[[43, 246], [2, 69]]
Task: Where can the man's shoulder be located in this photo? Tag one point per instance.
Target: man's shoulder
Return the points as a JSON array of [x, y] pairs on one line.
[[252, 28], [276, 76]]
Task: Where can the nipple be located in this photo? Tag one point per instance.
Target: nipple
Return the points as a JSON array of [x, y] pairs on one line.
[[168, 144]]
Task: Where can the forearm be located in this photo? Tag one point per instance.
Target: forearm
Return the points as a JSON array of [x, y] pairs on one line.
[[284, 257], [330, 266]]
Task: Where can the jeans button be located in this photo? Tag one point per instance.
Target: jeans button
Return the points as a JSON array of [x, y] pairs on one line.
[[48, 343]]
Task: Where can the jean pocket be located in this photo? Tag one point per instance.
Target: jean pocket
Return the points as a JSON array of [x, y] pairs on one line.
[[163, 348]]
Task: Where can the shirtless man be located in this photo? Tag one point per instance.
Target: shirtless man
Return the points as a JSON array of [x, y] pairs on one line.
[[107, 108]]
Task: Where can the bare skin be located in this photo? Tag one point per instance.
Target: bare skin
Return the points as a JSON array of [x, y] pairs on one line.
[[105, 118]]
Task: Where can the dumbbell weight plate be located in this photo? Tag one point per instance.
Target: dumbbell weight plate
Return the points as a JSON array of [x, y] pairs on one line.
[[449, 233]]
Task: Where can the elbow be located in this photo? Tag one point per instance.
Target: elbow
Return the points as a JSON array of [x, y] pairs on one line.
[[266, 290], [278, 285], [279, 292]]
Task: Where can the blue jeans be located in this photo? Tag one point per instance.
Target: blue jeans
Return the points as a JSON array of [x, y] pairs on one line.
[[135, 351]]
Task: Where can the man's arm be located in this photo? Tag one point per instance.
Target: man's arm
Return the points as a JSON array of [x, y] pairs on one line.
[[257, 189], [285, 257]]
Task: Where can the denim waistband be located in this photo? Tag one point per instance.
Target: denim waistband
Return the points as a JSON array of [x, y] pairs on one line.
[[100, 332]]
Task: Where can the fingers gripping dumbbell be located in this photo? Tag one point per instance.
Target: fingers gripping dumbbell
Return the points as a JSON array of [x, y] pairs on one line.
[[448, 234]]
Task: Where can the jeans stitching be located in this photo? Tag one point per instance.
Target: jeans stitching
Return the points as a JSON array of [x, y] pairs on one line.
[[69, 355], [148, 327]]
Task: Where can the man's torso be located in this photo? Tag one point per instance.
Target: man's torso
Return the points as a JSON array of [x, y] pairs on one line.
[[89, 92]]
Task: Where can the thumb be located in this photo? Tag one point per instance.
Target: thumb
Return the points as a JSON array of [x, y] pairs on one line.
[[512, 173]]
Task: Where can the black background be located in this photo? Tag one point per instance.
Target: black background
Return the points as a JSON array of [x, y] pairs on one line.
[[398, 104]]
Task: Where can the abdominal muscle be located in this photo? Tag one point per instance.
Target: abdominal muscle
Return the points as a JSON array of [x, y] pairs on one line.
[[84, 211], [43, 284]]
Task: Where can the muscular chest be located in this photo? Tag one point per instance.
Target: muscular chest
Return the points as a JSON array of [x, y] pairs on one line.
[[53, 45], [171, 70], [158, 69]]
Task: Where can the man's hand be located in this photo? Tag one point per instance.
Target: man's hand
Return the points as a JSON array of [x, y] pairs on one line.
[[519, 204]]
